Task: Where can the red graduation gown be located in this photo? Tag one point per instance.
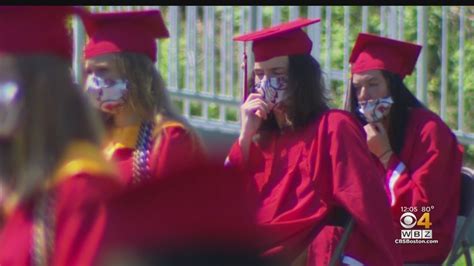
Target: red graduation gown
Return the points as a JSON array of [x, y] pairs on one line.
[[426, 173], [303, 175], [82, 180], [172, 146], [199, 208]]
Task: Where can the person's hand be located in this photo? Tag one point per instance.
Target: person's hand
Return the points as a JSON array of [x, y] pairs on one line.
[[377, 139], [252, 112]]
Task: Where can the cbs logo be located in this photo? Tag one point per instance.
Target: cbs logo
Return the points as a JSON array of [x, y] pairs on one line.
[[408, 220]]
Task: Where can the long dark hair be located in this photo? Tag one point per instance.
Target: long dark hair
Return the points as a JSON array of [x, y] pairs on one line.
[[306, 93], [403, 101]]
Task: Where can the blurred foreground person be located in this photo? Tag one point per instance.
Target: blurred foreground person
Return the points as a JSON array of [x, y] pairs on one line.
[[49, 136], [200, 216]]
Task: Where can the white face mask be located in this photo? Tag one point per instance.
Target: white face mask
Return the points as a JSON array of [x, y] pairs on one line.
[[106, 94], [273, 89], [375, 110], [10, 106]]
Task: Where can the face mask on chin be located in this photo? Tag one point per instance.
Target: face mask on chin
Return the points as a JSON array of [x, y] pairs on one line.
[[375, 110], [106, 94], [10, 107]]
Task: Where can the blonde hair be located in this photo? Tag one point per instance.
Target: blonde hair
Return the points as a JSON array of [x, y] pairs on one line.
[[147, 93], [148, 97], [54, 114]]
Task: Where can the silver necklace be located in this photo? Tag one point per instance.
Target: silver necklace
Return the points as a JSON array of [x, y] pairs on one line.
[[141, 155], [44, 226]]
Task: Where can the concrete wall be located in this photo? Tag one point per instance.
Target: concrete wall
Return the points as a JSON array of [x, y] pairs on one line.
[[217, 143]]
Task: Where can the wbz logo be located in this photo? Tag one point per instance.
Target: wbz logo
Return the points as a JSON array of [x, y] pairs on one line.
[[408, 220], [417, 234]]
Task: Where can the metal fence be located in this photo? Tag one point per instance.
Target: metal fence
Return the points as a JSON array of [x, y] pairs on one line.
[[201, 64]]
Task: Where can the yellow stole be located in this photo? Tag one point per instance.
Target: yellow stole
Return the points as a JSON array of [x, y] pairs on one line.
[[79, 157], [126, 137]]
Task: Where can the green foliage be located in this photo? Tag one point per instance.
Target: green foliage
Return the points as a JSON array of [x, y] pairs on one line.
[[231, 114], [213, 111], [196, 108]]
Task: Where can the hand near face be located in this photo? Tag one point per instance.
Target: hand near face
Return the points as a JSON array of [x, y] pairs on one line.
[[253, 111], [377, 138]]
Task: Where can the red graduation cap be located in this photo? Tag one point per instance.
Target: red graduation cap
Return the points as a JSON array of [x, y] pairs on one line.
[[36, 30], [279, 40], [283, 39], [374, 52], [134, 31]]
